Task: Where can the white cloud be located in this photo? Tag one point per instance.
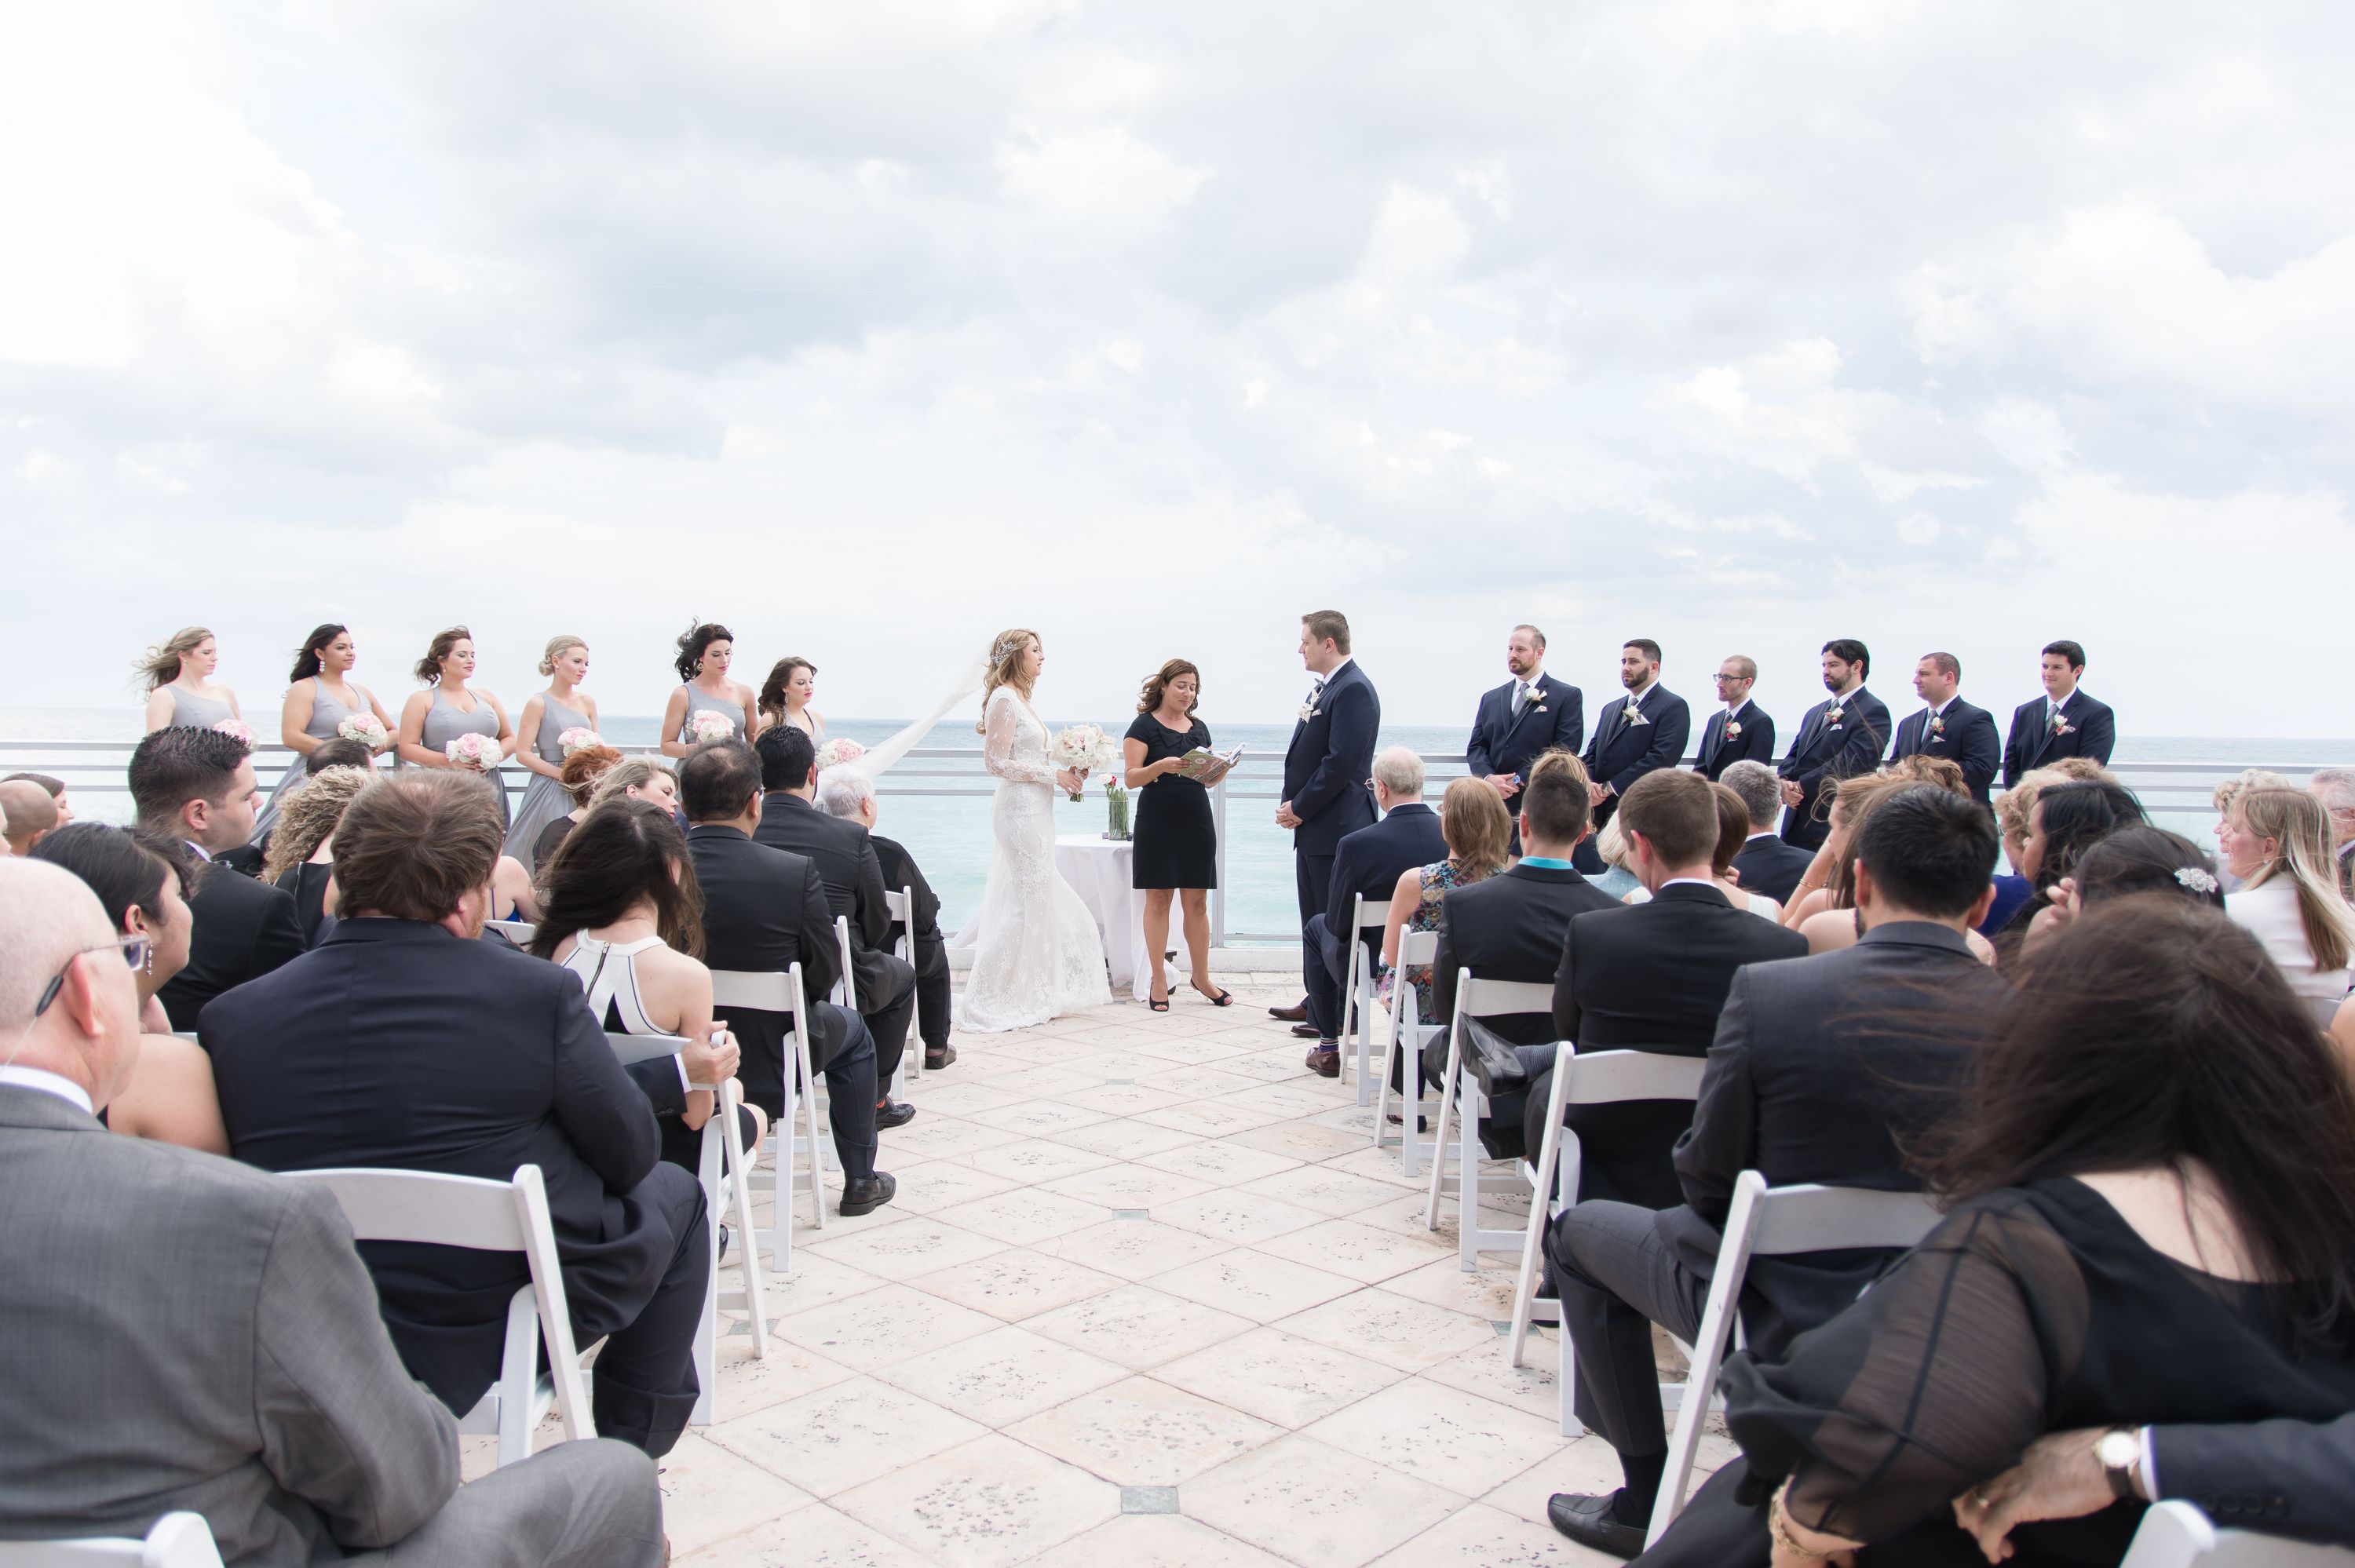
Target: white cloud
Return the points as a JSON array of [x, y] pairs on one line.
[[1104, 173]]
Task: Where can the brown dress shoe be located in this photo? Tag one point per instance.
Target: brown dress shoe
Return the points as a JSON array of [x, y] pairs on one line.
[[1308, 1031], [1326, 1061], [1297, 1013]]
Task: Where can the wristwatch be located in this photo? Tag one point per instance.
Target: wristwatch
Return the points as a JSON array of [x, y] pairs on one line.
[[2119, 1453]]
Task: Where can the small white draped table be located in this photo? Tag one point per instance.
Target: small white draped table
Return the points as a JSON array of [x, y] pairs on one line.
[[1099, 870]]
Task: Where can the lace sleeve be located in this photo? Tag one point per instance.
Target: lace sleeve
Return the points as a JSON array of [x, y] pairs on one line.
[[1936, 1380], [998, 744]]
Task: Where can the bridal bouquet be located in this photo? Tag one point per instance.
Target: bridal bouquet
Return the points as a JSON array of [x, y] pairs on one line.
[[237, 731], [834, 753], [1082, 749], [473, 750], [711, 727], [366, 728], [578, 737]]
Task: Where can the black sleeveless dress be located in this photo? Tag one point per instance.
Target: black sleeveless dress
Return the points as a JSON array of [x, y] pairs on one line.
[[1177, 843]]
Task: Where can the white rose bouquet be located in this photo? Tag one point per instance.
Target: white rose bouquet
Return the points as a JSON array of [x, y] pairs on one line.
[[366, 728], [711, 727], [473, 750], [1079, 748], [578, 737], [237, 731], [834, 753]]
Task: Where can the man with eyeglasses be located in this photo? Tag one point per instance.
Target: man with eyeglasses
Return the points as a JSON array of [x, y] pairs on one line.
[[187, 1333], [1742, 731], [1366, 861]]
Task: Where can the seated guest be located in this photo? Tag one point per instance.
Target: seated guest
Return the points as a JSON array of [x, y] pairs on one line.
[[27, 813], [1733, 832], [623, 915], [1764, 864], [1840, 922], [1368, 861], [56, 788], [2151, 1191], [1610, 847], [884, 983], [2130, 861], [578, 779], [1651, 977], [1819, 887], [2334, 787], [199, 1335], [1822, 1070], [764, 910], [2230, 790], [638, 778], [195, 785], [141, 883], [1478, 831], [2289, 892], [402, 1043], [2066, 820], [849, 793], [301, 856]]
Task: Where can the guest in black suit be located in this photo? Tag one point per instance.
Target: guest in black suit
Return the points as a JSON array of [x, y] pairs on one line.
[[884, 982], [1822, 1068], [2063, 722], [1327, 765], [1950, 727], [764, 910], [197, 786], [1640, 736], [2335, 787], [1651, 977], [1523, 719], [1368, 862], [400, 1041], [848, 792], [1741, 731], [1841, 737], [1764, 863]]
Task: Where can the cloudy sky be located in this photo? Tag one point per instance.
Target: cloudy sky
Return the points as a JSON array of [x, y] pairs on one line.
[[871, 329]]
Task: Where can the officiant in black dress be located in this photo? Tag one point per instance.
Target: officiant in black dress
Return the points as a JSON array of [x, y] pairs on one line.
[[1175, 852]]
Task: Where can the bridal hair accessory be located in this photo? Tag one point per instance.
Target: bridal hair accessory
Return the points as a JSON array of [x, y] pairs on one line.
[[834, 753], [366, 728], [1006, 647], [475, 749], [710, 726], [2197, 880], [237, 731], [578, 737]]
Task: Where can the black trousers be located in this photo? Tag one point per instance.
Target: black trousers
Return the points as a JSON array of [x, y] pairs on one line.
[[851, 1086], [1324, 965], [932, 950], [1312, 877], [1618, 1278], [644, 1387], [887, 1001]]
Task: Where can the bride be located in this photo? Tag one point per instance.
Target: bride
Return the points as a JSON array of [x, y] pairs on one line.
[[1036, 955]]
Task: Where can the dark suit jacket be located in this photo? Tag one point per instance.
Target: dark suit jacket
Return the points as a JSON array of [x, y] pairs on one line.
[[1329, 759], [1649, 977], [899, 870], [1819, 1067], [1370, 860], [2092, 731], [2284, 1477], [1966, 736], [1554, 719], [1824, 753], [766, 908], [243, 929], [1510, 927], [854, 882], [1623, 752], [1769, 866], [395, 1044], [1754, 743]]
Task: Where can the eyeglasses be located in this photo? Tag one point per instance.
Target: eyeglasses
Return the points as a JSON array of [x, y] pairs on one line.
[[134, 949]]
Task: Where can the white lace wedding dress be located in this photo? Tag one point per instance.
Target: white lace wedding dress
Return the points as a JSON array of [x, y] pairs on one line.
[[1035, 952]]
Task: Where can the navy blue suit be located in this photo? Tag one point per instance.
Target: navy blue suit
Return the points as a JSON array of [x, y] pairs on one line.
[[1370, 862], [1324, 773], [1553, 719], [2092, 731], [1824, 753], [1965, 737], [1754, 743], [1624, 751]]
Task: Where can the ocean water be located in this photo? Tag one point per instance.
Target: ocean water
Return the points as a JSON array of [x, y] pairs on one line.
[[939, 807]]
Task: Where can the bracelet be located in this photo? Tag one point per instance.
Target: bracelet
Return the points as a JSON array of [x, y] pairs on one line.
[[1779, 1527]]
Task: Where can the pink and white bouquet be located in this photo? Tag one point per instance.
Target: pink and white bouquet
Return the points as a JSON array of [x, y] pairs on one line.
[[578, 737], [366, 728], [1082, 749], [474, 750], [834, 753], [710, 726], [237, 731]]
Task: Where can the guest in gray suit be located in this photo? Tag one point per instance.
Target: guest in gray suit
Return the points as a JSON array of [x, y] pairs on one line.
[[200, 1336]]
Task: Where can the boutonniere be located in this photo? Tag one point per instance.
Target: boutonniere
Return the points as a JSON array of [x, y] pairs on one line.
[[1834, 713], [1633, 715], [1937, 723], [2060, 724], [1309, 711], [1733, 729]]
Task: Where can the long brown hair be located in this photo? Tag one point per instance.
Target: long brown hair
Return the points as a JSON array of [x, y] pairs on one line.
[[429, 669], [1478, 828], [622, 853], [772, 690], [1156, 686]]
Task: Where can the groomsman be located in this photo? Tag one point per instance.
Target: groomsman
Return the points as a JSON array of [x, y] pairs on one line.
[[1841, 737], [2065, 722], [1526, 717], [1642, 734], [1950, 726], [1742, 731], [1327, 767]]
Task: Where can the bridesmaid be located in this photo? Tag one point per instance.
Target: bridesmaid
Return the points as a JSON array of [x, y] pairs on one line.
[[704, 652], [785, 698], [545, 716], [321, 698], [180, 685], [435, 717]]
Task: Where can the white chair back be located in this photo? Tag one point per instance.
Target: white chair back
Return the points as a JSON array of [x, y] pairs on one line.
[[1358, 994], [177, 1540], [2177, 1535], [845, 989], [901, 908], [797, 1132], [1406, 1037], [520, 932], [629, 1050]]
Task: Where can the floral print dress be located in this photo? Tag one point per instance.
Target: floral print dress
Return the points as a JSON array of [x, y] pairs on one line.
[[1435, 879]]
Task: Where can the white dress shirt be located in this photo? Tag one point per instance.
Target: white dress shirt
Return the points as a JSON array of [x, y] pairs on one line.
[[48, 1082]]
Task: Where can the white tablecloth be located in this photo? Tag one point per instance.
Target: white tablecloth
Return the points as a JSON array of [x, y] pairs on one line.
[[1099, 870]]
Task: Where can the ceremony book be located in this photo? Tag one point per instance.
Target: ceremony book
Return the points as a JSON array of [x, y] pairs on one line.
[[1201, 760]]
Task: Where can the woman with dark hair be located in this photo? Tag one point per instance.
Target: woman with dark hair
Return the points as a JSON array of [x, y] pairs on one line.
[[578, 777], [785, 697], [2130, 861], [143, 880], [621, 909], [2065, 820], [431, 719], [322, 696], [706, 697], [1175, 850], [2152, 1193]]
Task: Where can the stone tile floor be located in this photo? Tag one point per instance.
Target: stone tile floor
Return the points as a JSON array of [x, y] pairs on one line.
[[1147, 1295]]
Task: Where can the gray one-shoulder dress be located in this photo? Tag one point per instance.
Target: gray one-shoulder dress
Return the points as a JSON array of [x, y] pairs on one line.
[[445, 723], [190, 711], [543, 799], [699, 702], [326, 714]]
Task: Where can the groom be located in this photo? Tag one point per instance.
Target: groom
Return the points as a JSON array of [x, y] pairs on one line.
[[1327, 768]]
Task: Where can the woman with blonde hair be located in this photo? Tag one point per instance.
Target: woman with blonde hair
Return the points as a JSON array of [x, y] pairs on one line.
[[638, 778], [2289, 895], [301, 852], [181, 690], [1479, 834], [547, 717], [2230, 790]]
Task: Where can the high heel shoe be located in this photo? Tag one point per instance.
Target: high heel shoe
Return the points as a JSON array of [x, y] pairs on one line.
[[1222, 998], [1160, 1006]]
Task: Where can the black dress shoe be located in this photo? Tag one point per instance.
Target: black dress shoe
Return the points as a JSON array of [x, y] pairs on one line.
[[936, 1060], [1588, 1519], [866, 1197], [894, 1113], [1293, 1014], [1308, 1031]]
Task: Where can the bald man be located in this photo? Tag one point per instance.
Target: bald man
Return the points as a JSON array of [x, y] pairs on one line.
[[29, 812], [239, 1370]]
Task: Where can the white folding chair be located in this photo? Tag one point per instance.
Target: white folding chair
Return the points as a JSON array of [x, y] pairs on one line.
[[1358, 991], [1772, 1222], [484, 1216], [1474, 998], [176, 1541], [2177, 1535], [517, 931], [901, 907], [781, 992], [1407, 1035], [1603, 1077]]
